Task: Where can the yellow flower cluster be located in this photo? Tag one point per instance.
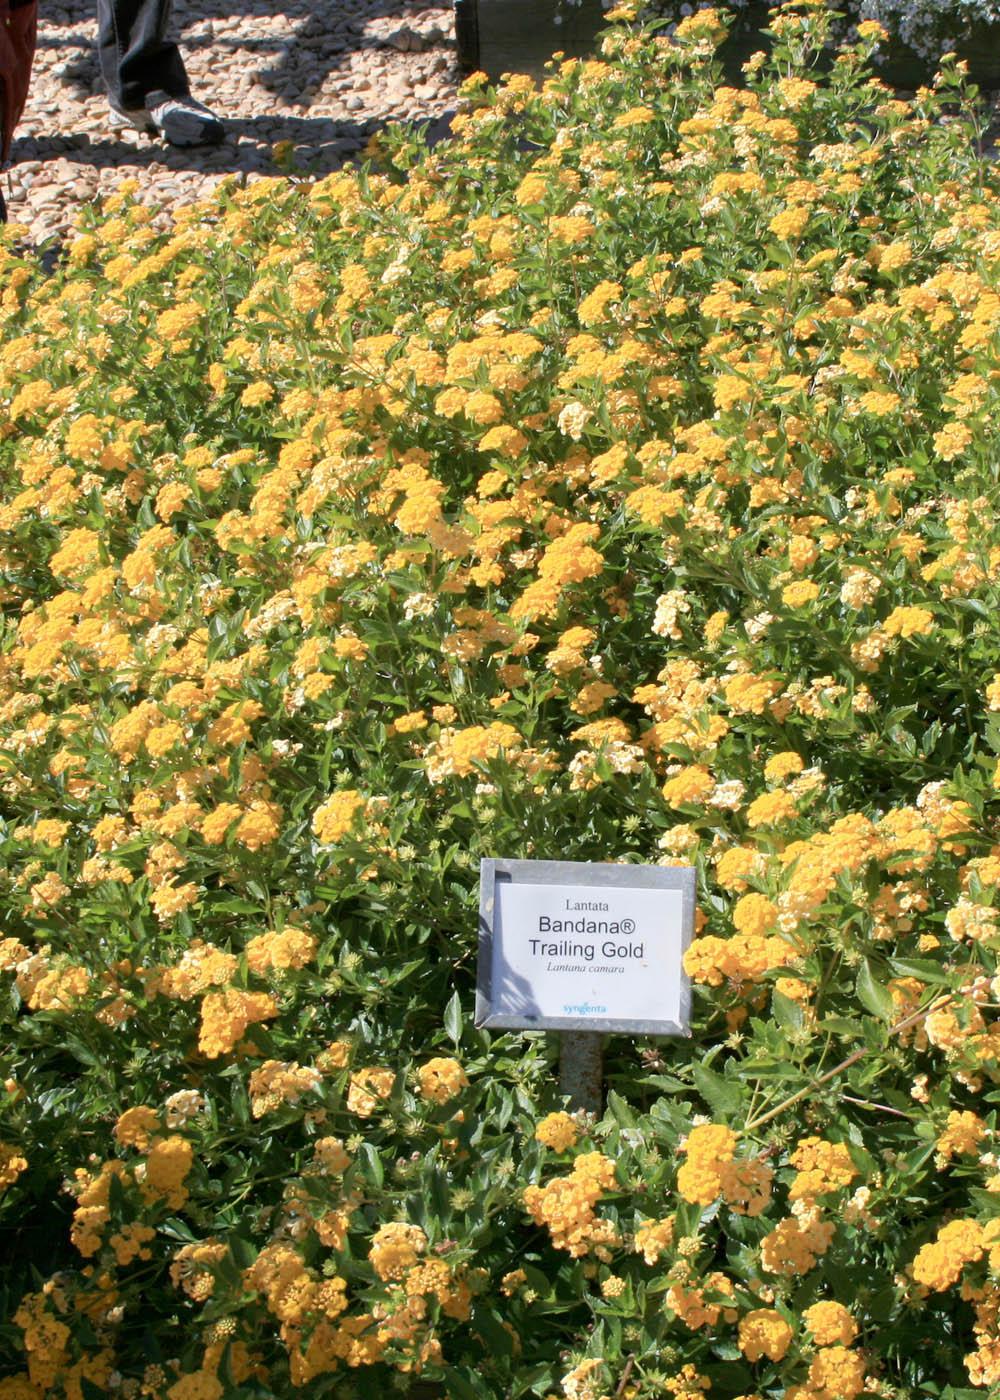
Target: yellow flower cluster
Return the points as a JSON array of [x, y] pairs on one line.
[[566, 1205], [225, 1017], [654, 1238], [830, 1324], [457, 751], [821, 1167], [368, 1088], [278, 1082], [708, 1152], [940, 1264], [764, 1332], [559, 1131], [12, 1164], [441, 1079], [710, 1171], [795, 1244], [334, 819], [395, 1249], [695, 1309], [962, 1134], [280, 952]]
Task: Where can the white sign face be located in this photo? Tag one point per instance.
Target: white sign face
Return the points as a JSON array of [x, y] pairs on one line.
[[608, 955]]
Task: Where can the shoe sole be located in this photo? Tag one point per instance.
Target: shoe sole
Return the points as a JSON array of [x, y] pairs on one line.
[[122, 121]]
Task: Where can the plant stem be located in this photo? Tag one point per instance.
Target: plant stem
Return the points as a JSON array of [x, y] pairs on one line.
[[625, 1375], [852, 1059], [876, 1107]]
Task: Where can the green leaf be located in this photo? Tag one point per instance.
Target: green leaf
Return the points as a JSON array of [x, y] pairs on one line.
[[839, 1025], [723, 1097], [872, 994], [620, 1109], [923, 969], [453, 1018], [689, 1216], [499, 1340], [465, 1384], [374, 1163], [786, 1012]]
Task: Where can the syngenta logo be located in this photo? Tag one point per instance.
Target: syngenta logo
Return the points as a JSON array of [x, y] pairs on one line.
[[585, 1008]]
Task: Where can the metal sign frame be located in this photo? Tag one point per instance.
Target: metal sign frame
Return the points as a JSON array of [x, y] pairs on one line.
[[592, 874]]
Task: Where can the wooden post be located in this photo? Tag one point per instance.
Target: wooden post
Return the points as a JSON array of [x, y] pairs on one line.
[[520, 36], [581, 1070], [467, 34]]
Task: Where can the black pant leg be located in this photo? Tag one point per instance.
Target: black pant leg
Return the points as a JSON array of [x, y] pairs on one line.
[[135, 55]]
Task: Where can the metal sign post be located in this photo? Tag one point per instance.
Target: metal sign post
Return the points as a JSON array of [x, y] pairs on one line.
[[581, 1070]]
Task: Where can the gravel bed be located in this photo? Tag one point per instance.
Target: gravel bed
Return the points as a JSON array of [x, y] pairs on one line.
[[323, 79]]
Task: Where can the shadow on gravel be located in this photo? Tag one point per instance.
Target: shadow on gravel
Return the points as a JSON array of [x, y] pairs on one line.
[[322, 145]]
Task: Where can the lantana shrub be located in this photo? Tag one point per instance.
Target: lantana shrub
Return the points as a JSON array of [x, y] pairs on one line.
[[617, 482]]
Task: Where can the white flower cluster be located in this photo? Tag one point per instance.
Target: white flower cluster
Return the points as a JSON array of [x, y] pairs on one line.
[[930, 27]]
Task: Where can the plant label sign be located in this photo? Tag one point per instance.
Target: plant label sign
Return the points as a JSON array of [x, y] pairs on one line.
[[571, 945]]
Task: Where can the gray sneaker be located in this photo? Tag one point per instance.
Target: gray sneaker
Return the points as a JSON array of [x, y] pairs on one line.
[[181, 121]]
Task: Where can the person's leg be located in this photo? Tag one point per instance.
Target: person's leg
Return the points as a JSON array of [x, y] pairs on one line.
[[144, 74], [18, 25], [135, 55]]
